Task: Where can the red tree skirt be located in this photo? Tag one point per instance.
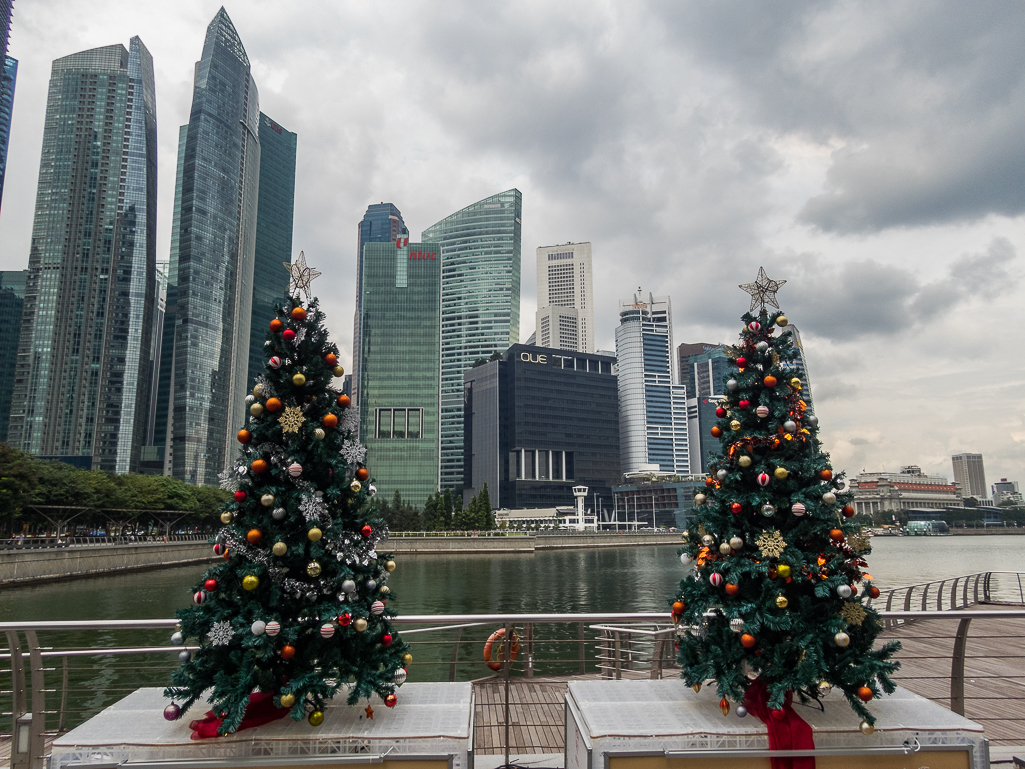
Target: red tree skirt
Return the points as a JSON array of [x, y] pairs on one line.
[[259, 711], [791, 732]]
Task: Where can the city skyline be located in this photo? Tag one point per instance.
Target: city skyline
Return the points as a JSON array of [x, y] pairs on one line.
[[760, 188]]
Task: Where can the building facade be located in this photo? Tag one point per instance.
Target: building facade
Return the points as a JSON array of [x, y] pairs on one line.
[[655, 502], [539, 422], [970, 475], [8, 81], [82, 382], [908, 489], [212, 259], [274, 216], [12, 301], [653, 430], [565, 297], [480, 304], [702, 366], [800, 366], [401, 354], [382, 223], [1006, 491]]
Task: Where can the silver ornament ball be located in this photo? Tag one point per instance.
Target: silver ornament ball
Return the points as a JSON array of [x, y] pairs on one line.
[[279, 514], [741, 711], [184, 656], [348, 586]]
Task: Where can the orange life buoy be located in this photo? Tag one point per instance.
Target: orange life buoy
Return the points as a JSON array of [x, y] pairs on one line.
[[497, 637]]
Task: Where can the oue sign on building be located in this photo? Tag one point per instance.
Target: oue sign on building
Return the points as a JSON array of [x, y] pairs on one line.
[[528, 357]]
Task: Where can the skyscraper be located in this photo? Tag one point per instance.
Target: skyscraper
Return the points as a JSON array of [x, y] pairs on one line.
[[653, 435], [702, 366], [382, 223], [8, 79], [5, 26], [274, 217], [800, 366], [210, 287], [970, 475], [12, 300], [398, 398], [565, 304], [82, 384], [480, 304]]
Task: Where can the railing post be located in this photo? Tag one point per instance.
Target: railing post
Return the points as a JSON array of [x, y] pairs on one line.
[[455, 655], [528, 632], [619, 665], [925, 596], [507, 654], [957, 667], [953, 594], [986, 595], [64, 694], [939, 596], [656, 659], [583, 651]]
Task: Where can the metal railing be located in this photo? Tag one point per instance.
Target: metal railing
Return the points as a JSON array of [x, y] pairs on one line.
[[35, 543], [951, 594]]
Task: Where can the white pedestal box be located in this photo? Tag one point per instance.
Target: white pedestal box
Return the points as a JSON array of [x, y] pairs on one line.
[[666, 725], [430, 728]]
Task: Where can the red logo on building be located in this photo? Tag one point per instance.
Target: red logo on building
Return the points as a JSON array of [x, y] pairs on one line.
[[400, 242], [423, 255]]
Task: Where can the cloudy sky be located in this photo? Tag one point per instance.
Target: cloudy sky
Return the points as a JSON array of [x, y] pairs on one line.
[[871, 154]]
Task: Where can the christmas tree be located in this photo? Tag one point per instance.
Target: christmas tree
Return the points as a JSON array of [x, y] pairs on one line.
[[775, 604], [297, 610]]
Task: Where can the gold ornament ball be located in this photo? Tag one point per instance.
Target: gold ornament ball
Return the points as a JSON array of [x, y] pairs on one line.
[[389, 565], [842, 640], [267, 500], [313, 569], [824, 688], [782, 602], [783, 570], [250, 582], [314, 534], [782, 321], [744, 461], [258, 391], [227, 517], [298, 380], [279, 549], [385, 589], [781, 473], [795, 383], [355, 486], [407, 659], [256, 409], [316, 718], [734, 425], [287, 700], [318, 434], [866, 728], [360, 625], [338, 371]]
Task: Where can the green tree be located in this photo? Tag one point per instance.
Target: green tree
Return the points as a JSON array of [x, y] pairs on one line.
[[485, 515], [446, 510], [433, 513], [19, 477]]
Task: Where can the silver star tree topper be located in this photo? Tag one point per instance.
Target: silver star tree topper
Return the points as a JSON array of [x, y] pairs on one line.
[[302, 275], [763, 290]]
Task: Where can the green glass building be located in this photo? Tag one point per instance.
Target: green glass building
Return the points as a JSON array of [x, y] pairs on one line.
[[480, 304], [400, 353]]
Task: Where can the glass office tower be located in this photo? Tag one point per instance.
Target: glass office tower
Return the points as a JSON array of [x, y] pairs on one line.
[[82, 384], [274, 216], [8, 79], [398, 398], [212, 271], [12, 300], [480, 304], [382, 223]]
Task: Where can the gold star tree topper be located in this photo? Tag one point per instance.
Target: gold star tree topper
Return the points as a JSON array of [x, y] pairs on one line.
[[763, 290], [302, 275]]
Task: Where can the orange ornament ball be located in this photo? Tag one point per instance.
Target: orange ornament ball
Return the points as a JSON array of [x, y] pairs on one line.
[[344, 401], [287, 652], [259, 466], [716, 431], [826, 475], [678, 607], [769, 381], [865, 694], [873, 591], [732, 589], [253, 536], [298, 313], [747, 640], [848, 511], [331, 359], [362, 475], [276, 325], [329, 420], [836, 535], [244, 436], [273, 404], [390, 700]]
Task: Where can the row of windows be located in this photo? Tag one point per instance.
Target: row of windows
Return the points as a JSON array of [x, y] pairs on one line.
[[541, 465], [398, 423]]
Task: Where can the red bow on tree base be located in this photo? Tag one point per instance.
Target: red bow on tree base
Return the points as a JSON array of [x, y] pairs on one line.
[[786, 732], [259, 711]]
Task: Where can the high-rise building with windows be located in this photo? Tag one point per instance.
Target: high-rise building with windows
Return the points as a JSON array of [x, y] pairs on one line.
[[82, 384], [12, 300], [8, 80], [401, 348], [274, 217], [702, 366], [653, 434], [480, 304], [565, 297], [800, 366], [970, 475], [210, 286], [382, 223]]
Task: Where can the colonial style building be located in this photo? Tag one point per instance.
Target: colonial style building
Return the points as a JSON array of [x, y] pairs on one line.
[[910, 488]]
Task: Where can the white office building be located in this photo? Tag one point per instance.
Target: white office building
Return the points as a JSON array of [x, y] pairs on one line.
[[565, 306], [653, 431], [970, 475]]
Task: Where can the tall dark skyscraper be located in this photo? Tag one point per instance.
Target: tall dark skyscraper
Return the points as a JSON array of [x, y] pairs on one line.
[[8, 79], [382, 223], [273, 234], [210, 282], [5, 25], [12, 300], [82, 384]]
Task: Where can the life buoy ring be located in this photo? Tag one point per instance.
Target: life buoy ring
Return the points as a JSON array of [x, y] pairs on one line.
[[497, 637]]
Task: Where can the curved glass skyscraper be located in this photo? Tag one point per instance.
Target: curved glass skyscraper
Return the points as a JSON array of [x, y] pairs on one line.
[[211, 269], [480, 304], [82, 383]]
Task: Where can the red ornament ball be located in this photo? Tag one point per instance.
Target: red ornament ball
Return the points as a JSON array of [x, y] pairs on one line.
[[390, 700], [744, 404], [287, 652], [747, 640], [275, 362], [244, 436], [763, 479], [210, 585], [298, 313], [331, 359], [715, 579], [873, 591], [345, 619], [735, 508], [362, 474], [276, 325], [198, 597], [741, 362], [240, 496], [218, 549], [769, 381], [716, 431], [329, 420], [754, 326], [848, 511], [720, 412], [386, 639], [366, 531], [289, 335], [865, 694], [344, 401], [778, 714], [273, 404]]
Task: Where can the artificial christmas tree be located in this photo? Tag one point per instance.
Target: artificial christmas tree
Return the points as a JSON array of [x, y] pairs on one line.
[[298, 609], [775, 603]]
